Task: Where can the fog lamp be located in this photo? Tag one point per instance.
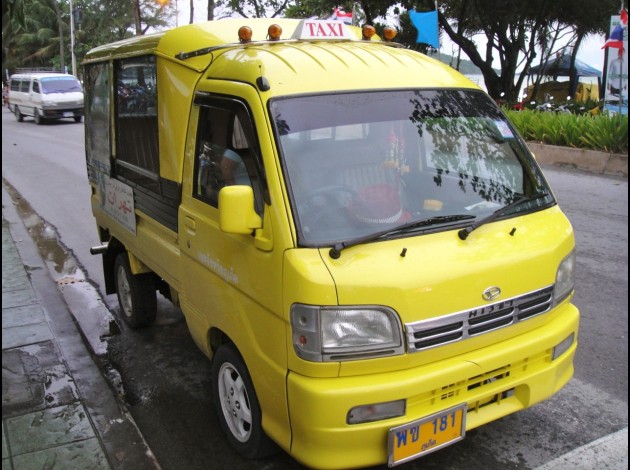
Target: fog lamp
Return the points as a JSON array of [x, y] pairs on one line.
[[376, 412]]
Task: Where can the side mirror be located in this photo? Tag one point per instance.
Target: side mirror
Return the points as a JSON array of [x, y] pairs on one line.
[[236, 210]]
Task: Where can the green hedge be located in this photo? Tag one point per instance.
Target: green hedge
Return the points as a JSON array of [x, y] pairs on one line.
[[608, 133]]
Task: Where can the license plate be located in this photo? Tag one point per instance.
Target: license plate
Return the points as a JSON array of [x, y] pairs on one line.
[[426, 435], [68, 114]]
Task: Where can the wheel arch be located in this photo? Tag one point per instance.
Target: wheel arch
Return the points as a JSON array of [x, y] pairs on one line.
[[217, 338]]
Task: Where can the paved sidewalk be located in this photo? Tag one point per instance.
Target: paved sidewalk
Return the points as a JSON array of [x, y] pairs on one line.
[[57, 409]]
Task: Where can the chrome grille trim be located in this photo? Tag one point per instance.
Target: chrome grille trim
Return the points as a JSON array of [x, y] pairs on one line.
[[427, 334]]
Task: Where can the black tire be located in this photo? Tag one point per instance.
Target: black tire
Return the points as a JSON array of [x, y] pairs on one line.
[[237, 405], [78, 118], [18, 115], [136, 293], [37, 117]]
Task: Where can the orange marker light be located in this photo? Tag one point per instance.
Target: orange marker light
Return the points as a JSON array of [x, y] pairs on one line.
[[274, 32], [368, 31], [245, 34], [389, 33]]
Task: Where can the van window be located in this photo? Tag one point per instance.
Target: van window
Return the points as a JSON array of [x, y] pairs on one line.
[[226, 153], [59, 85], [360, 163], [35, 86], [15, 84], [25, 85], [137, 156]]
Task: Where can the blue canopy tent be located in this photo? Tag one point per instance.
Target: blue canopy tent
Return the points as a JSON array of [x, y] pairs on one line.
[[560, 67]]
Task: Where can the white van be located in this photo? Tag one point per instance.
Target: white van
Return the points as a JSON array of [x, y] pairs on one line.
[[45, 95]]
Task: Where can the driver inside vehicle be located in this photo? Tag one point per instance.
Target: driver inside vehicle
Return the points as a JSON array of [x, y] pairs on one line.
[[233, 169], [220, 167]]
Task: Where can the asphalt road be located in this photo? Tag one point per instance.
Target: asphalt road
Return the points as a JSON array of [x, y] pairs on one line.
[[165, 380]]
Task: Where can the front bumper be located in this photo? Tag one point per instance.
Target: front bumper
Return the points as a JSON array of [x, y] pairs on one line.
[[54, 113], [493, 381]]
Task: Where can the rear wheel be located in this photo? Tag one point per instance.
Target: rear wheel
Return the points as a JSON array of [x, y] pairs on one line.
[[237, 405], [77, 119], [136, 293], [18, 115]]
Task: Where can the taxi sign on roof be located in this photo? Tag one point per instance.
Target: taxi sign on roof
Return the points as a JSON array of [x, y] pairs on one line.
[[322, 29]]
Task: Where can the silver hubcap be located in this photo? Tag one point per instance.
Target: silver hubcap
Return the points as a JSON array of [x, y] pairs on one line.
[[124, 291], [235, 402]]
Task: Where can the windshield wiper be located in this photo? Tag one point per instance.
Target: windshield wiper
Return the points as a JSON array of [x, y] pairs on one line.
[[463, 233], [335, 251]]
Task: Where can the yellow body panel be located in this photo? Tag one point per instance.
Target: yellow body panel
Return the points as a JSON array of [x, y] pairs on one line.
[[242, 287]]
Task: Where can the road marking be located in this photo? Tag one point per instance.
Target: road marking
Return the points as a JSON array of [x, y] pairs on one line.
[[610, 452]]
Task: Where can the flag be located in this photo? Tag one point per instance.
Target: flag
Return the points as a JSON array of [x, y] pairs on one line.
[[340, 14], [616, 38], [427, 26]]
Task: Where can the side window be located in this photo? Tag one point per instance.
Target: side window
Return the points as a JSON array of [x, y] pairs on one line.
[[97, 104], [36, 87], [226, 153], [15, 85], [137, 157], [25, 85]]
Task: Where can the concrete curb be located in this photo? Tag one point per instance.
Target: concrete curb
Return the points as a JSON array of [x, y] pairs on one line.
[[588, 160]]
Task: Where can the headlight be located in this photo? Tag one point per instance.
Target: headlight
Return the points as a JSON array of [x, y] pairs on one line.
[[565, 278], [344, 333]]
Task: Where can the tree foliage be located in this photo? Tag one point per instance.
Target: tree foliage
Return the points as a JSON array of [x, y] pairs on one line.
[[503, 38], [40, 38], [513, 32]]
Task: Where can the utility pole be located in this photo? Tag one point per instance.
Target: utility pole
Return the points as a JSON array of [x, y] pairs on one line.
[[74, 59]]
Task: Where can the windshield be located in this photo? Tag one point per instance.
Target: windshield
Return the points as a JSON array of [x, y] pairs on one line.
[[358, 163], [60, 85]]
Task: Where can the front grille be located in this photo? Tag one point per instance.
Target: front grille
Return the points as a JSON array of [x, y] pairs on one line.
[[458, 326]]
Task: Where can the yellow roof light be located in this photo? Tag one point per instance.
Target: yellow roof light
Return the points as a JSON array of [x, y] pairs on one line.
[[368, 31], [389, 33], [274, 32], [245, 34]]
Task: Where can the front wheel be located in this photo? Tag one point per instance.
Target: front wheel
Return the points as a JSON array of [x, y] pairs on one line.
[[18, 115], [78, 118], [37, 117], [237, 405], [136, 293]]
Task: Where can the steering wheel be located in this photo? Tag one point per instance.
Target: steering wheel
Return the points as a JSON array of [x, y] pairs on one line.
[[334, 195]]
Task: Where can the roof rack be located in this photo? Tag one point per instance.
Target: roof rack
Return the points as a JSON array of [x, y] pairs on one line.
[[38, 70]]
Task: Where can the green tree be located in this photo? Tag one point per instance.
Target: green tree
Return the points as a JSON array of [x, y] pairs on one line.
[[253, 8], [36, 38], [515, 31], [41, 37]]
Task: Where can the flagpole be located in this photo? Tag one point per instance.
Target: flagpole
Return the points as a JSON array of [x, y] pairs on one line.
[[621, 63], [438, 38]]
